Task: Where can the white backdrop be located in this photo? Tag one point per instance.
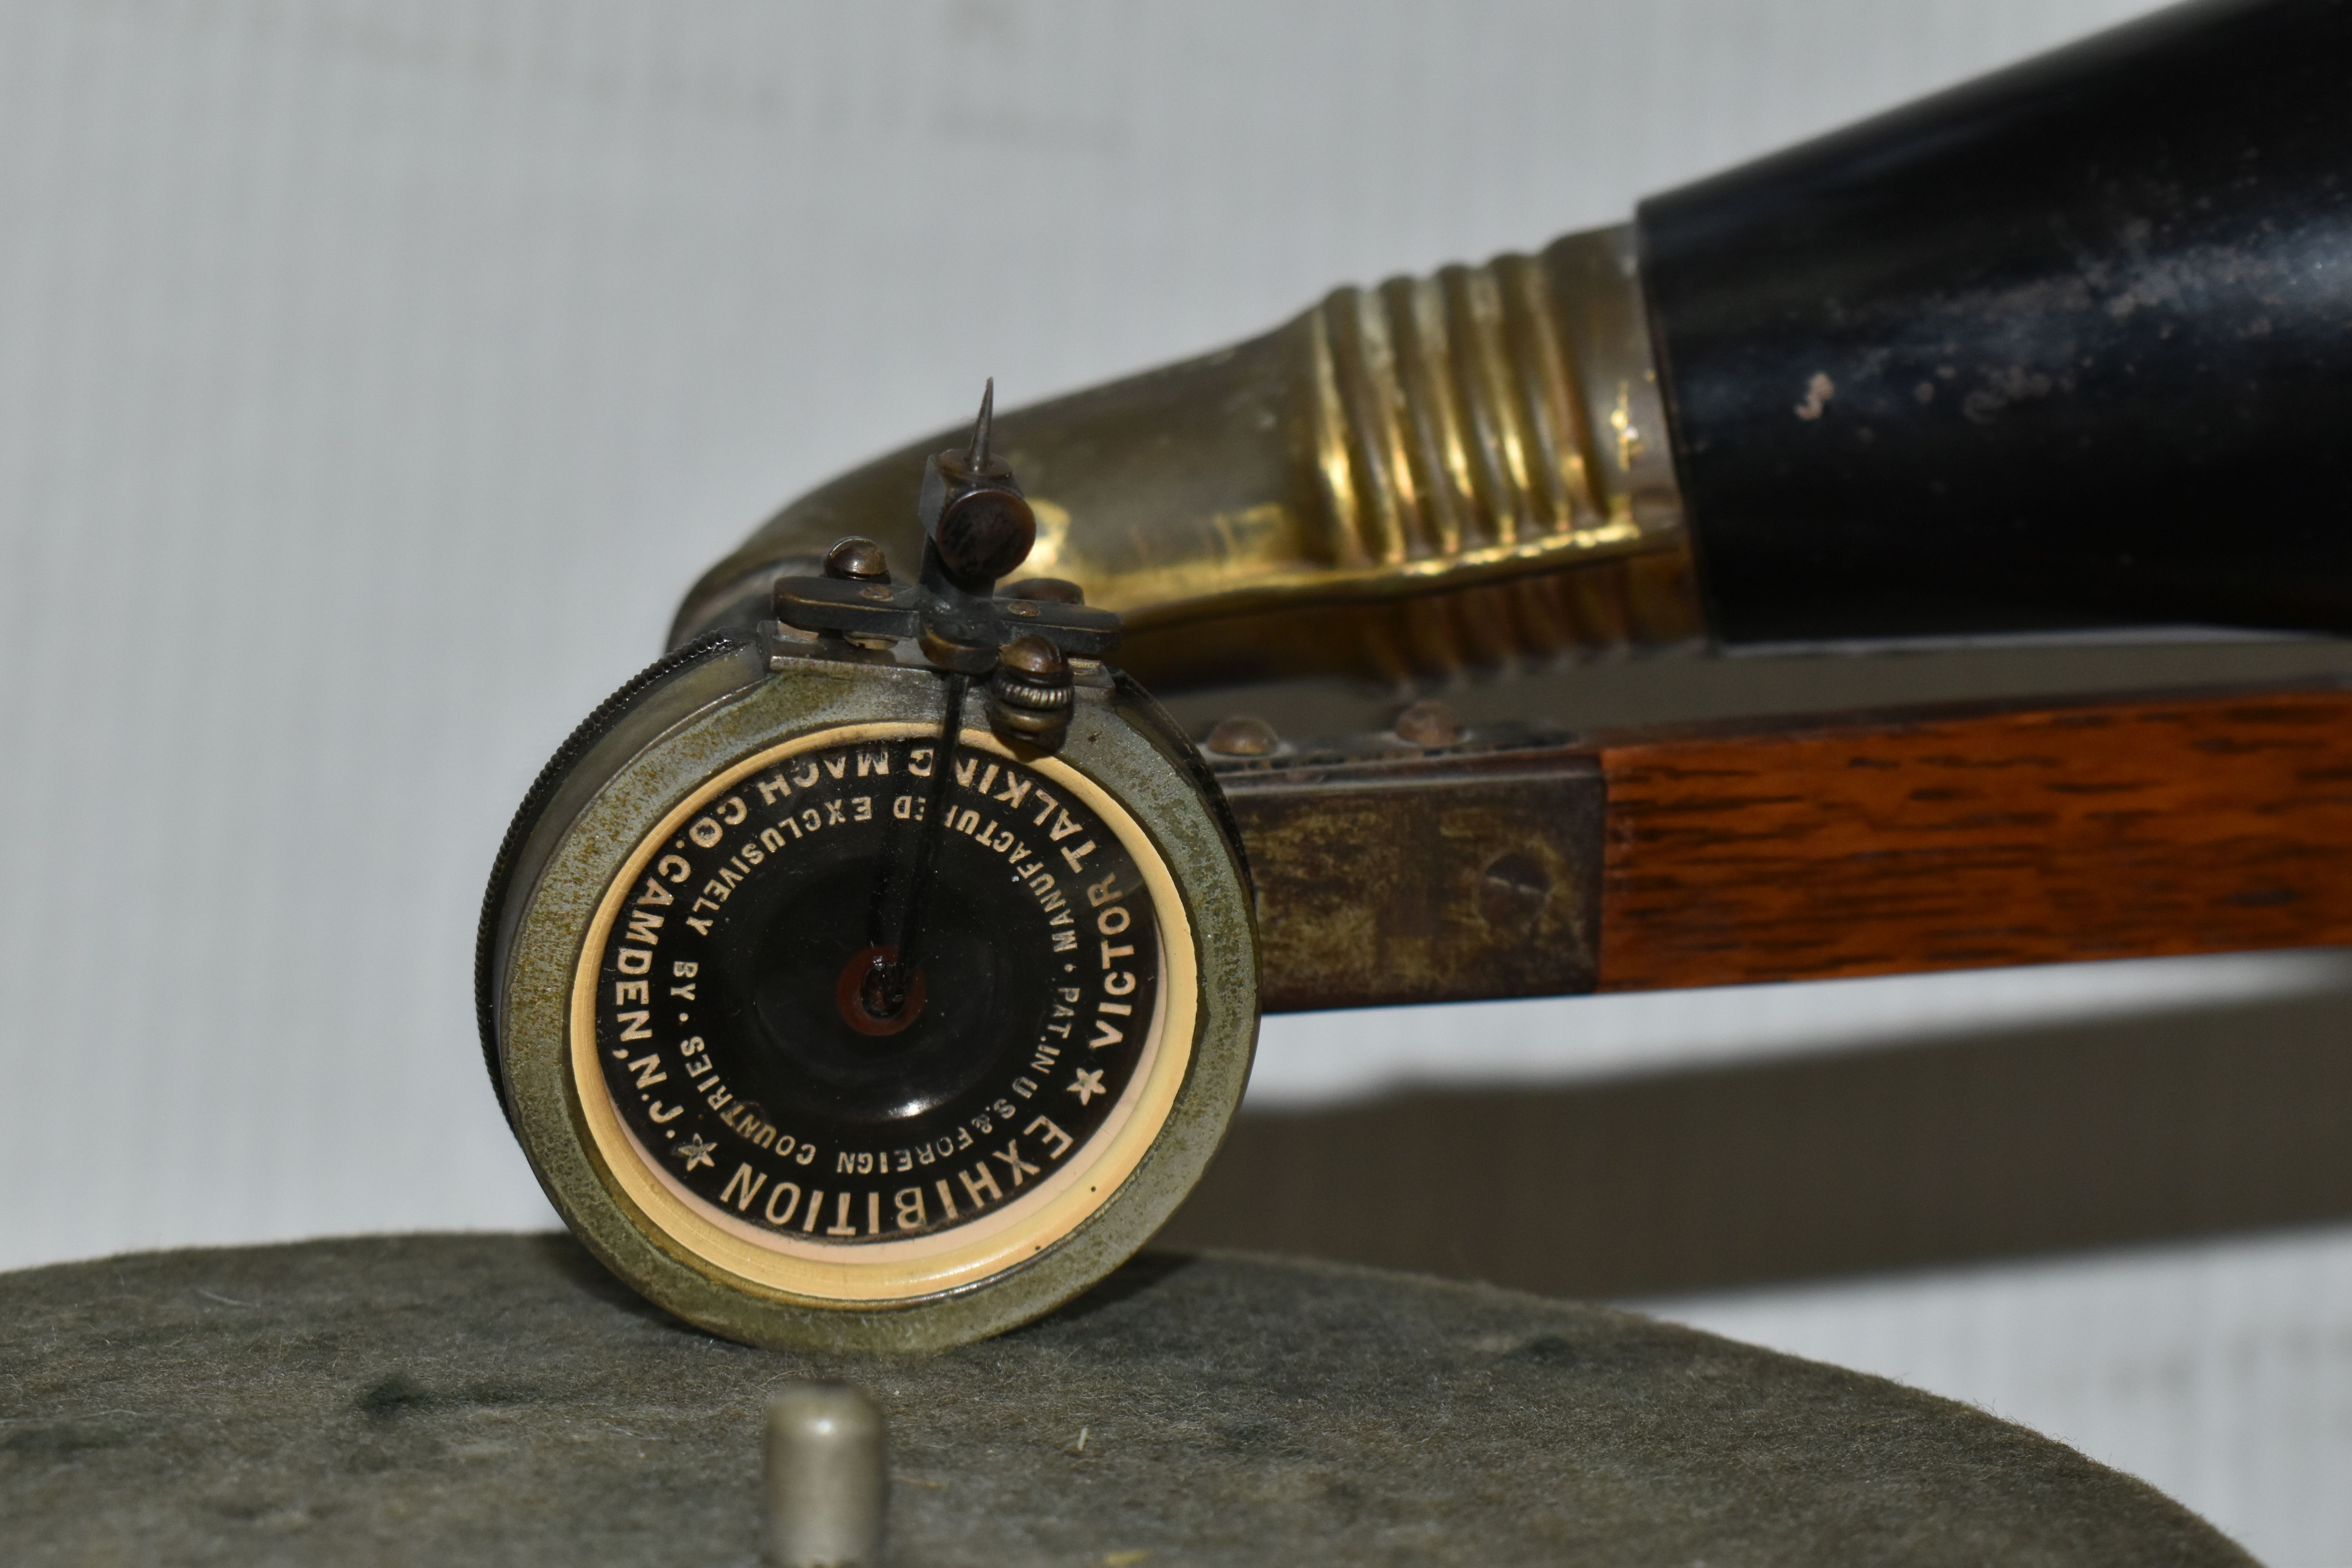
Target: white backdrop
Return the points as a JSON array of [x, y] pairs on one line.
[[374, 376]]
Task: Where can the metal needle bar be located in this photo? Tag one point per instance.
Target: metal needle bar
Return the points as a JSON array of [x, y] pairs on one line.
[[886, 986]]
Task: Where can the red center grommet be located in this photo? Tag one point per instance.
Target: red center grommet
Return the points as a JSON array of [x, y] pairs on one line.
[[849, 994]]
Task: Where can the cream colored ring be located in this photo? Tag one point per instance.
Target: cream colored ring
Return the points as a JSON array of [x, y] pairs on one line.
[[893, 1272]]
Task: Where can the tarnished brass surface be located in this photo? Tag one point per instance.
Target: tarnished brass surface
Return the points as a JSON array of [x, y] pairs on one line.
[[1388, 873], [1463, 472]]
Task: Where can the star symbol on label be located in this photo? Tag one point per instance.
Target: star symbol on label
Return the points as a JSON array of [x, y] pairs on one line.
[[1087, 1085], [696, 1151]]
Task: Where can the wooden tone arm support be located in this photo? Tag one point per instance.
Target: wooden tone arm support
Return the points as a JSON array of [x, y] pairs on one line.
[[1520, 863]]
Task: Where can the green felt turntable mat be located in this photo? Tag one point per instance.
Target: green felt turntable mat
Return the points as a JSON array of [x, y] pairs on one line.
[[462, 1399]]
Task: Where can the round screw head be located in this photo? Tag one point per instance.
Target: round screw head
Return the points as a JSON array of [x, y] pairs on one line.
[[1050, 590], [1428, 723], [984, 534], [1035, 658], [1031, 692], [857, 559], [1242, 736], [1512, 891]]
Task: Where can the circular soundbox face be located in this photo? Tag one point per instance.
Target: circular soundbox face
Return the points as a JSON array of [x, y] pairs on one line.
[[731, 1112]]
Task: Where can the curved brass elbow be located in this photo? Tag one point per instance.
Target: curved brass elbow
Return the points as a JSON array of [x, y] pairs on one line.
[[1438, 475]]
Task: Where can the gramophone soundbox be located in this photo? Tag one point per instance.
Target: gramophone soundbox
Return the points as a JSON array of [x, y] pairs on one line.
[[459, 1399]]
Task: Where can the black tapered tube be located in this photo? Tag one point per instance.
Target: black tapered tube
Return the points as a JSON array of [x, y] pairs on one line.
[[2066, 348]]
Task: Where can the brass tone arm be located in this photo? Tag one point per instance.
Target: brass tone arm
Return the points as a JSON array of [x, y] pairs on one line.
[[1436, 476]]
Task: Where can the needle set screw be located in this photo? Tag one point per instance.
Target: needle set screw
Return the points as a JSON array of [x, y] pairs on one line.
[[1031, 692]]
